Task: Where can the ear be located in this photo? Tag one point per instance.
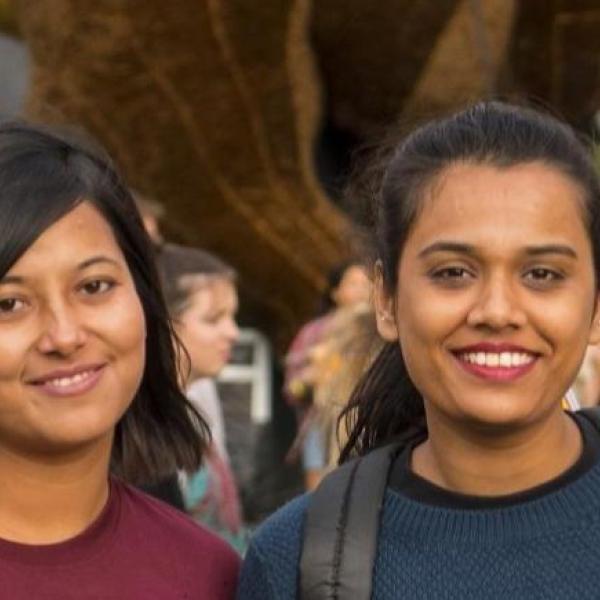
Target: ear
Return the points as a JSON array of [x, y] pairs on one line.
[[594, 337], [384, 307]]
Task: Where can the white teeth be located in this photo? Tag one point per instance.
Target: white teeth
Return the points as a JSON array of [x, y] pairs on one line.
[[505, 359], [66, 381], [495, 359]]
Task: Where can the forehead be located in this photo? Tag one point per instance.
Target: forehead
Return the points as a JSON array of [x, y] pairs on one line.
[[223, 290], [214, 293], [487, 205], [81, 233]]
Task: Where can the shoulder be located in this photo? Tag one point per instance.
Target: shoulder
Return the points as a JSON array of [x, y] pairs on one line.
[[203, 395], [164, 527], [316, 327], [285, 525], [310, 332], [271, 565], [202, 388]]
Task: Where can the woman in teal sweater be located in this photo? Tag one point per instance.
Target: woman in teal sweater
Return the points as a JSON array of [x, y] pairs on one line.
[[488, 262]]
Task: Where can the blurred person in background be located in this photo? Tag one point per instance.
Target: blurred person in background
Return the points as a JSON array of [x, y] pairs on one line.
[[348, 286], [202, 300], [349, 344], [587, 384], [151, 212]]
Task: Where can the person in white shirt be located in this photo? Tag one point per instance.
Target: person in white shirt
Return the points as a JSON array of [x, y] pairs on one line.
[[202, 300]]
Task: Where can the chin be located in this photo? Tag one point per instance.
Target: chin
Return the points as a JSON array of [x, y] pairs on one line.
[[86, 429], [499, 413], [70, 442], [218, 368], [88, 432], [210, 372]]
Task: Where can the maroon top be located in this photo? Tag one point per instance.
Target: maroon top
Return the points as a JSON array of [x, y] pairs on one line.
[[137, 549]]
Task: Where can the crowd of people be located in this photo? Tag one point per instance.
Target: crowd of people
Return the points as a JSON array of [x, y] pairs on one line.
[[436, 389]]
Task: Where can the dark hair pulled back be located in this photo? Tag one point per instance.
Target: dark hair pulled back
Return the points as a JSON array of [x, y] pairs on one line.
[[385, 404], [334, 279]]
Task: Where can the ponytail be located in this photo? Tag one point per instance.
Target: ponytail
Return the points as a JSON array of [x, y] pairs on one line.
[[385, 405]]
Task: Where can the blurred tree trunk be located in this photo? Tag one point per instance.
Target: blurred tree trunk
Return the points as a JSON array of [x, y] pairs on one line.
[[215, 106], [212, 107]]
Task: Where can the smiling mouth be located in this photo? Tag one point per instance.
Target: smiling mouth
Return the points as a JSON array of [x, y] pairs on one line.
[[497, 359], [70, 385], [496, 366], [64, 382]]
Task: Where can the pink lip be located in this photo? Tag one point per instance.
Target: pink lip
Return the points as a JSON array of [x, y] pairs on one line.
[[47, 383], [496, 373]]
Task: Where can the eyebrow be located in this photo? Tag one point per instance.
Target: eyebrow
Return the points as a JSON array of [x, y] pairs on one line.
[[16, 279], [460, 248], [95, 260], [561, 249], [444, 246]]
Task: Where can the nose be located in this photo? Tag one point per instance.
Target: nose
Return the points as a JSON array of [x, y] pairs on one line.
[[497, 306], [61, 333], [232, 331]]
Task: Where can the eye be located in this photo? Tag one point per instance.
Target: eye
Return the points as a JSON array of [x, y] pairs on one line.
[[96, 287], [545, 274], [542, 275], [211, 319], [10, 306], [452, 277], [451, 274]]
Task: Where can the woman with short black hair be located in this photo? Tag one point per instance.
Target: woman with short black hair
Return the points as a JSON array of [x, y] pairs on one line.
[[89, 393]]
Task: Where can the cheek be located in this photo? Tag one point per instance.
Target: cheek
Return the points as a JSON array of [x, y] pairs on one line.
[[134, 351], [12, 365], [199, 341], [14, 348], [198, 336], [566, 330], [126, 328], [421, 331], [567, 319], [426, 317]]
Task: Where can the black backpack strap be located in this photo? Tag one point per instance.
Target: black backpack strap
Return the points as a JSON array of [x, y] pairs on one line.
[[591, 414], [341, 526]]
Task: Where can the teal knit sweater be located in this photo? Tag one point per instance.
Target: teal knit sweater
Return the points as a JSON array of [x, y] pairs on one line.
[[544, 548]]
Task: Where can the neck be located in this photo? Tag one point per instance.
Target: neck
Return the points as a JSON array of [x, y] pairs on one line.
[[481, 463], [49, 500]]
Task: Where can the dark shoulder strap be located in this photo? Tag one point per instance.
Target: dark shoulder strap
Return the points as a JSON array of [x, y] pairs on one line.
[[341, 526], [591, 414]]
